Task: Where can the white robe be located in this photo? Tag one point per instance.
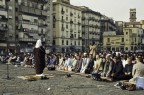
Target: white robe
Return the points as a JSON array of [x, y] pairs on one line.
[[85, 63]]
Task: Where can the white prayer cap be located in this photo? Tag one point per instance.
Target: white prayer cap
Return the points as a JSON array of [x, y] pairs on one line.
[[117, 53], [108, 55], [85, 54], [38, 43]]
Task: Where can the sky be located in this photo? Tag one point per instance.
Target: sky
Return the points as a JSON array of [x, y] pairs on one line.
[[116, 9]]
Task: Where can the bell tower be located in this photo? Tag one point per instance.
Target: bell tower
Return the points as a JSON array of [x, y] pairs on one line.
[[132, 15]]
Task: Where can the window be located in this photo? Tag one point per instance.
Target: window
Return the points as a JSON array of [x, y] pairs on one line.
[[75, 27], [75, 35], [74, 20], [75, 42], [62, 42], [79, 43], [35, 20], [67, 10], [126, 48], [66, 33], [126, 33], [122, 39], [135, 39], [53, 42], [66, 26], [62, 17], [67, 42], [67, 18], [53, 25], [108, 39]]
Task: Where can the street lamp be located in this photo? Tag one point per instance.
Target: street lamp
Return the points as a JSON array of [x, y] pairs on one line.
[[8, 78]]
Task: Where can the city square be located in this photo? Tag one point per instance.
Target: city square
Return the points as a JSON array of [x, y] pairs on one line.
[[71, 47], [57, 85]]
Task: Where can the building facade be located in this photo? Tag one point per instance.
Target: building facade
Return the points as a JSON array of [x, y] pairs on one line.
[[106, 24], [28, 21], [3, 26], [113, 42], [90, 27], [67, 27], [132, 38]]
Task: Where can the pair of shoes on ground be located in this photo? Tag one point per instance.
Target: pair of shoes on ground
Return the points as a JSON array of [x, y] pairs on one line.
[[121, 85], [68, 75], [44, 78]]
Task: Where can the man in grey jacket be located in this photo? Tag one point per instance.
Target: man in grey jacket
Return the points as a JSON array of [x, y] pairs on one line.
[[107, 68]]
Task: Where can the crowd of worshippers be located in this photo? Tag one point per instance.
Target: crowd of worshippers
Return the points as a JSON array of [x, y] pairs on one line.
[[109, 67], [26, 60], [101, 66]]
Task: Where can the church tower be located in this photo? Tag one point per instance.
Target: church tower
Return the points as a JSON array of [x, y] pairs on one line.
[[133, 15]]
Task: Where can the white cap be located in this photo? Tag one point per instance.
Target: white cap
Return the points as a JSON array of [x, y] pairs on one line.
[[38, 43]]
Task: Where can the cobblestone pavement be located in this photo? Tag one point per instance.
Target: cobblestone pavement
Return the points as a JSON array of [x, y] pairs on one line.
[[58, 85]]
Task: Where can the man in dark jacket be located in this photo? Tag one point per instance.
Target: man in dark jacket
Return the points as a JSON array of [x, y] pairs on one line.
[[117, 70], [128, 70]]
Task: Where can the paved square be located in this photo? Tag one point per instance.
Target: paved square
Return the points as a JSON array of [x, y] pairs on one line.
[[57, 85]]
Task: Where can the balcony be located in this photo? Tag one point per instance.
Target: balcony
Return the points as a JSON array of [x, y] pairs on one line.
[[34, 11], [23, 8], [42, 25], [27, 39], [62, 36], [122, 43], [108, 43], [3, 18], [3, 7], [42, 32], [44, 13], [28, 22], [30, 10], [29, 31], [4, 29]]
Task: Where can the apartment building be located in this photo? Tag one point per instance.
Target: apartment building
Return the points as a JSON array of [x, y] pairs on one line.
[[67, 30], [28, 21], [90, 27], [3, 26]]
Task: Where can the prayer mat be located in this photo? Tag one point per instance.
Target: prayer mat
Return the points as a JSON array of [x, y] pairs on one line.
[[34, 77]]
